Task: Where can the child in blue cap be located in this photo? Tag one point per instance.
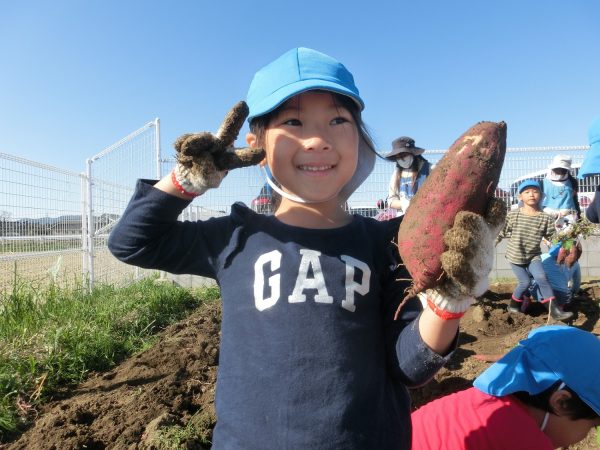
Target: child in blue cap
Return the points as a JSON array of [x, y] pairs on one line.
[[543, 394], [525, 228], [311, 356]]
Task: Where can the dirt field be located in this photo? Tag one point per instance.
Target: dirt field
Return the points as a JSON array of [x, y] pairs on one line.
[[173, 382]]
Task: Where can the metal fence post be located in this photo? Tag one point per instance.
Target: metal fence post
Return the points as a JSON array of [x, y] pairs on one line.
[[85, 271], [90, 225], [157, 144]]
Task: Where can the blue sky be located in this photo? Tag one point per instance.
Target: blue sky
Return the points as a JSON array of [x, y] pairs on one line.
[[78, 76]]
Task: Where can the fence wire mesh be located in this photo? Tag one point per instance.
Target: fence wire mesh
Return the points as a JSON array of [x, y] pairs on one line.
[[40, 223], [54, 223], [245, 185]]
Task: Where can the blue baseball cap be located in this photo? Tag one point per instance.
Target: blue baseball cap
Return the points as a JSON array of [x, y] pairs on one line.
[[298, 70], [549, 354], [529, 184], [591, 161]]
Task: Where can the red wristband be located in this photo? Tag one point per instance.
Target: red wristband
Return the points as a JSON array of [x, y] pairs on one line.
[[443, 314], [179, 187]]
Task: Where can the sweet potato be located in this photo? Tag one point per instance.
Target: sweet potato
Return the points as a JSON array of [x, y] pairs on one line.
[[562, 255], [573, 255], [465, 179]]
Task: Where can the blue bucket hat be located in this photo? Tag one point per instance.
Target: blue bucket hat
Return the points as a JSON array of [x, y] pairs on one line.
[[549, 354], [591, 162], [529, 184], [303, 69], [298, 70]]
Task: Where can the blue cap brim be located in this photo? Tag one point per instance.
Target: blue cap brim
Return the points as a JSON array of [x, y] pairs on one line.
[[529, 184], [549, 354], [283, 94]]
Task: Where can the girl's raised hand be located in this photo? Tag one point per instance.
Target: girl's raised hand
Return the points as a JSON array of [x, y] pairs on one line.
[[203, 159]]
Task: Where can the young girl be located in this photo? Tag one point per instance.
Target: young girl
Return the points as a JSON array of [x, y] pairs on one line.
[[310, 356], [409, 174], [541, 395], [525, 228]]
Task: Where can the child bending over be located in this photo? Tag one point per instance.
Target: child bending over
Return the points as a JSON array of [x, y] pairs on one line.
[[541, 395]]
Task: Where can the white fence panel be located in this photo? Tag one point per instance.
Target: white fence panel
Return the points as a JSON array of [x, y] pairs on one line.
[[111, 176], [245, 184], [40, 224], [54, 223]]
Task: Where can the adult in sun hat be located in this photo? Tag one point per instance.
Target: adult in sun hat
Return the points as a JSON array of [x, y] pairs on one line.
[[560, 189], [410, 171], [543, 394], [591, 166]]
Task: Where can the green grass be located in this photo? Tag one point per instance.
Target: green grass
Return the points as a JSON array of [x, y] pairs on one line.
[[197, 432], [55, 337]]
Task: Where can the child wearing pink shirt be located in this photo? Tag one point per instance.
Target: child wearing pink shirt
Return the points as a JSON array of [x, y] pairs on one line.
[[541, 395]]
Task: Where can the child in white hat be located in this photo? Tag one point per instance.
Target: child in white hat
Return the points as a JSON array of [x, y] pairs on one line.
[[560, 189]]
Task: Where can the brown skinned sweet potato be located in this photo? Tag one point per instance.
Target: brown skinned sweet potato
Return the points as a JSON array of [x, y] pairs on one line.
[[573, 255], [465, 179], [562, 255]]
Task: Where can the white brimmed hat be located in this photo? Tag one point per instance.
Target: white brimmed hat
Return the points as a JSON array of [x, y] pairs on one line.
[[561, 162]]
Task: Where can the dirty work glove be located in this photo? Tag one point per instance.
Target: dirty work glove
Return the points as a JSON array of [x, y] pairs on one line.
[[203, 159], [467, 262]]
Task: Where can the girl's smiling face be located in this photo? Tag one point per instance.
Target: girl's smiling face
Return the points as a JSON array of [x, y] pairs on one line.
[[312, 146]]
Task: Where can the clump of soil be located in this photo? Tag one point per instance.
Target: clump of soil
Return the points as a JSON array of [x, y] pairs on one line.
[[172, 383]]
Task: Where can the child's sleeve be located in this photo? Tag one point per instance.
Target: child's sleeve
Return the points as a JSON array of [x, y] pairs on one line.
[[393, 197], [506, 229], [149, 234], [549, 232]]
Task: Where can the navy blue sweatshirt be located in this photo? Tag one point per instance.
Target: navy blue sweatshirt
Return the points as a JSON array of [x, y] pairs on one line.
[[310, 354]]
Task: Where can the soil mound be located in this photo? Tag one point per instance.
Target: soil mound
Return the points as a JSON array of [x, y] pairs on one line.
[[172, 383]]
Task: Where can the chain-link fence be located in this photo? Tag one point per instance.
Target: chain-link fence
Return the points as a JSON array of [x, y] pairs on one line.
[[54, 223], [245, 185]]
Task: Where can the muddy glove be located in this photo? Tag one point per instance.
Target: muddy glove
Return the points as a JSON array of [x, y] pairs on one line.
[[467, 262], [203, 159]]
